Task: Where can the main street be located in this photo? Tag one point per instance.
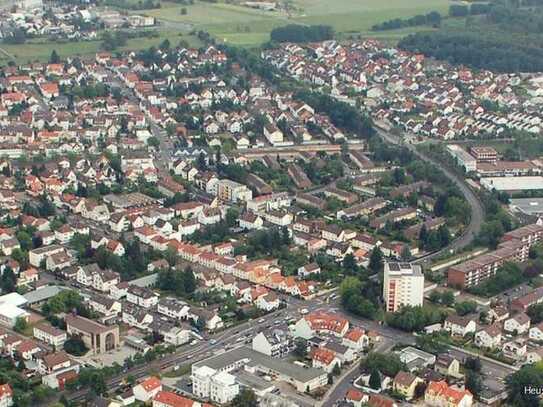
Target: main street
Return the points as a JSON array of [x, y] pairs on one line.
[[494, 372]]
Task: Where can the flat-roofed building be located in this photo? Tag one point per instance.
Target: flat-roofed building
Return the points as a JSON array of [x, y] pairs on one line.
[[403, 285], [302, 378]]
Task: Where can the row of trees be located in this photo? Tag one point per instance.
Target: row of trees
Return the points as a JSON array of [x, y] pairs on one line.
[[461, 10], [433, 18], [302, 33], [411, 319]]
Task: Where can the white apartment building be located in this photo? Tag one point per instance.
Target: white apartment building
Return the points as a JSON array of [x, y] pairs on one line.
[[403, 285], [220, 387], [223, 388], [50, 335], [231, 191]]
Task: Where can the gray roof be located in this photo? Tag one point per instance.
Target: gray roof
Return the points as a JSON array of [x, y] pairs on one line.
[[43, 293], [254, 358], [145, 281]]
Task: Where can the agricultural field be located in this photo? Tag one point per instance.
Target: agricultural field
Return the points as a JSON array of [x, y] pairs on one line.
[[240, 25], [41, 51]]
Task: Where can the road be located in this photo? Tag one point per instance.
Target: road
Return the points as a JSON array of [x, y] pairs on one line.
[[477, 211], [494, 372]]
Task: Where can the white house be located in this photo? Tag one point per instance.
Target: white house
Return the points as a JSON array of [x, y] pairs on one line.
[[519, 324], [460, 326], [147, 389]]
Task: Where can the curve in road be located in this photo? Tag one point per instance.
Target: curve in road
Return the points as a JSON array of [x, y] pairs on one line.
[[477, 210]]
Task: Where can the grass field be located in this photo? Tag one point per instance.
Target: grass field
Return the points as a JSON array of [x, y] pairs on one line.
[[243, 26], [238, 25], [41, 51]]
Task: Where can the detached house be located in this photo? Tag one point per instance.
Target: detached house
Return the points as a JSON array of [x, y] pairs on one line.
[[519, 324], [489, 337], [460, 326]]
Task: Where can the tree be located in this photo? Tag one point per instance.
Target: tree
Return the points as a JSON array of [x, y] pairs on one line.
[[375, 380], [8, 281], [153, 142], [388, 364], [184, 11], [54, 58], [349, 264], [447, 298], [465, 307], [336, 371], [20, 325], [300, 348], [376, 260], [300, 33], [75, 346], [535, 312], [473, 382], [245, 398], [473, 363], [528, 377]]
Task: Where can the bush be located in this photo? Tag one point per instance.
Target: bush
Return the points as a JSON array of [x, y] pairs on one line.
[[75, 346]]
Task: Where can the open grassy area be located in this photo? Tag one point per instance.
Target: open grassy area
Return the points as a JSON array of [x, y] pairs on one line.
[[247, 27], [238, 25], [41, 51]]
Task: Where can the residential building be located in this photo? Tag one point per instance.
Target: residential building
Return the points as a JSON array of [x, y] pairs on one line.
[[403, 285], [50, 335], [440, 394]]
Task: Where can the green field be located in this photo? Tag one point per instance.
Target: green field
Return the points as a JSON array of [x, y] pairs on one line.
[[239, 25], [41, 51]]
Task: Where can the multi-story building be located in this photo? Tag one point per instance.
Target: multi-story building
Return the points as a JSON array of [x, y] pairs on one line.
[[231, 191], [463, 158], [403, 285], [50, 335], [515, 247], [275, 343], [484, 154], [142, 296], [217, 386]]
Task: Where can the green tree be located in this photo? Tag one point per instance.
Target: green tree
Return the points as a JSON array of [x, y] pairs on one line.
[[8, 280], [447, 298], [153, 142], [375, 380], [75, 346], [474, 382], [473, 363], [376, 260], [20, 325], [465, 307], [245, 398], [300, 348], [54, 58], [529, 376]]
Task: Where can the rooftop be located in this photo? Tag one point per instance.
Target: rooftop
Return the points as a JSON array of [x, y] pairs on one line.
[[254, 358]]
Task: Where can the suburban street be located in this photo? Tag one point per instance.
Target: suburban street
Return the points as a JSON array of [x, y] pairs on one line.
[[477, 210]]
